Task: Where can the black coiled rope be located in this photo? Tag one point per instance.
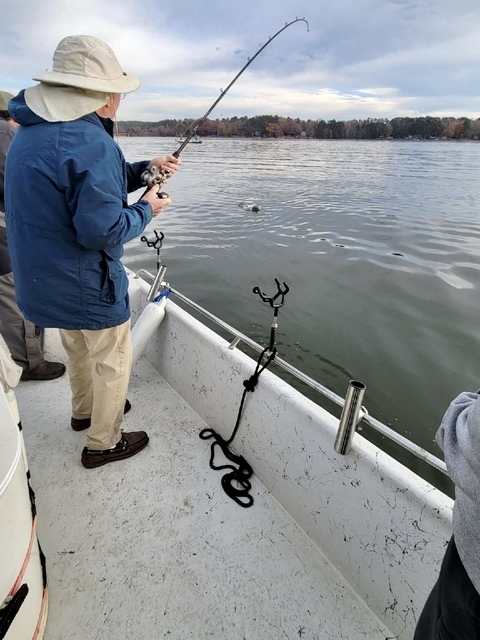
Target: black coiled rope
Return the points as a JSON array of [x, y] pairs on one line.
[[236, 483]]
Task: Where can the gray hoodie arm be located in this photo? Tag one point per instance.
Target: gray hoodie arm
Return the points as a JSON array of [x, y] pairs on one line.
[[459, 437]]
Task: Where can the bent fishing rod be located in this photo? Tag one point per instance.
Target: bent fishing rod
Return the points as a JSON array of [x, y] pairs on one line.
[[152, 175]]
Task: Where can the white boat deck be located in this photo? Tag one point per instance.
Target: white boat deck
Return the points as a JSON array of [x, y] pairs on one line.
[[151, 547]]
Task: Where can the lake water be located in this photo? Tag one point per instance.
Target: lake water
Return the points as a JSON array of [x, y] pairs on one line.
[[379, 242]]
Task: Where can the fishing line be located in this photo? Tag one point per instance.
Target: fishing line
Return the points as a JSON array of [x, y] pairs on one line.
[[193, 128], [152, 175]]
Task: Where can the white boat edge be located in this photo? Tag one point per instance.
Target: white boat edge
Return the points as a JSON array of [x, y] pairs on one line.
[[379, 523], [382, 527]]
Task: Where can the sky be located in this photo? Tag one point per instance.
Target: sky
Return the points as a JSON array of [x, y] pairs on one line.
[[357, 59]]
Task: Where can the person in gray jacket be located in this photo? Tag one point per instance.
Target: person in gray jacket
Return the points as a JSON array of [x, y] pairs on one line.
[[452, 610], [23, 338]]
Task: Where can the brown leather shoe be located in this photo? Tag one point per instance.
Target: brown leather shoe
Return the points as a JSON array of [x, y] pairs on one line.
[[80, 424], [130, 444], [44, 371]]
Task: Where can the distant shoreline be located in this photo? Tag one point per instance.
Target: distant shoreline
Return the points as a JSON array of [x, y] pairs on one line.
[[268, 126], [306, 139]]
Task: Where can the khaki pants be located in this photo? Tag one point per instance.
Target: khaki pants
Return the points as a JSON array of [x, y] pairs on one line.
[[99, 366]]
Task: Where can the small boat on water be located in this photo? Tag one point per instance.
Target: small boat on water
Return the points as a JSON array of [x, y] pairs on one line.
[[341, 542], [194, 140]]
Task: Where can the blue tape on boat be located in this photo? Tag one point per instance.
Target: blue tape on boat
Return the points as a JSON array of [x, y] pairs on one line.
[[163, 294]]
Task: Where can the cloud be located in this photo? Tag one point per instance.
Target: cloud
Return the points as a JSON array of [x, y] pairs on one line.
[[416, 56]]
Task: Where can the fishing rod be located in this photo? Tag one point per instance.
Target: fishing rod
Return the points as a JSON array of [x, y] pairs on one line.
[[152, 175]]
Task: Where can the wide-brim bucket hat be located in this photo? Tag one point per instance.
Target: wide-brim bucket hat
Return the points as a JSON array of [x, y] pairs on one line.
[[85, 73], [63, 104], [5, 98]]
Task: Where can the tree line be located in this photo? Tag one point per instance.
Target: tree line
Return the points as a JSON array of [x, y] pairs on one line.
[[424, 128]]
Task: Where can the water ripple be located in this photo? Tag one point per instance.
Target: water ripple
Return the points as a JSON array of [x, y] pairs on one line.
[[379, 241]]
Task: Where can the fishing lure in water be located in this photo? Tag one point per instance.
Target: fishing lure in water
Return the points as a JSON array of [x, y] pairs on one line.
[[250, 206], [152, 175]]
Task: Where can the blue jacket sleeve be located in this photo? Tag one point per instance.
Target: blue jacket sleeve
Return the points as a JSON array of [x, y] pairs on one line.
[[134, 175], [459, 437], [96, 189]]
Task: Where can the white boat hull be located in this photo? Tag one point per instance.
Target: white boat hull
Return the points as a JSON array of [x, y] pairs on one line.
[[20, 555], [383, 527], [334, 547]]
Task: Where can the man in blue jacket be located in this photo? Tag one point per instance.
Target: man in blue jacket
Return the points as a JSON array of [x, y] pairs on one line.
[[67, 214]]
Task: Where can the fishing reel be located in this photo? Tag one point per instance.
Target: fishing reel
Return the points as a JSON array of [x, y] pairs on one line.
[[152, 176]]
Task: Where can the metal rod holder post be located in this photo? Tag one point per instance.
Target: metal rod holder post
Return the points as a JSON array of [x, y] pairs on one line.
[[281, 293], [273, 330], [158, 281], [350, 417]]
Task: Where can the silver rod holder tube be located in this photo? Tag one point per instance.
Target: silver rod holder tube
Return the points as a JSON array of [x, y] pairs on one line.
[[350, 417], [156, 284]]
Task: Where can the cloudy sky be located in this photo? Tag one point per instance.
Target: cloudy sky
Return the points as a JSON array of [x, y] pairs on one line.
[[359, 59]]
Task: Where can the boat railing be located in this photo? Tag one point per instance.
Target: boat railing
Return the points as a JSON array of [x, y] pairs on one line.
[[361, 414]]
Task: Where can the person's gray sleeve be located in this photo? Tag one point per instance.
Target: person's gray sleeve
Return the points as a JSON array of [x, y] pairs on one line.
[[459, 437]]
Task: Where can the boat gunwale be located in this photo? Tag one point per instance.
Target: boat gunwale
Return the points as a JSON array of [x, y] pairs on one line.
[[377, 425]]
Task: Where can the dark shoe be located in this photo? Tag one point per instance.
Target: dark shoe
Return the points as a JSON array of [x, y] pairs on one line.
[[80, 424], [130, 444], [44, 371]]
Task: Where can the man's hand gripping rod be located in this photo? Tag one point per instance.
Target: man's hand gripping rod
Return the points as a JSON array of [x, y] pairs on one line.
[[152, 176]]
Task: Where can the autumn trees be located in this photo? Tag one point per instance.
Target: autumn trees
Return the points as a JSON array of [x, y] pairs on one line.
[[268, 126]]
